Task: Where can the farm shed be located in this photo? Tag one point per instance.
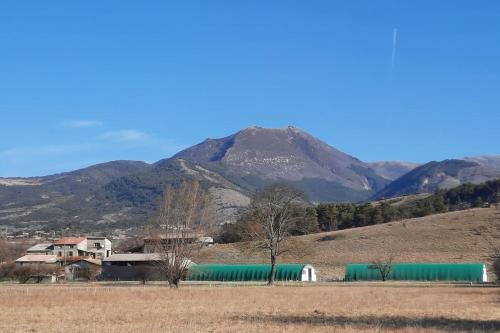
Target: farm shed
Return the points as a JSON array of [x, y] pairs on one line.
[[37, 259], [419, 272], [82, 268], [284, 272], [133, 266]]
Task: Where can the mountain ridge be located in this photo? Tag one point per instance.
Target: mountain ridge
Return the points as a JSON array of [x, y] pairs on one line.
[[120, 194]]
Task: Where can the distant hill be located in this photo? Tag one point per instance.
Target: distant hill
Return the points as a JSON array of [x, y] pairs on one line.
[[56, 200], [443, 175], [15, 192], [392, 170]]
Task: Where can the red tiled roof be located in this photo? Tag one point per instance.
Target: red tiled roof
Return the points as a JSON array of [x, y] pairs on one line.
[[69, 241]]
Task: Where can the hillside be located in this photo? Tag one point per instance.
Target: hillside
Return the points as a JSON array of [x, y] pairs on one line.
[[443, 175], [461, 236], [56, 200]]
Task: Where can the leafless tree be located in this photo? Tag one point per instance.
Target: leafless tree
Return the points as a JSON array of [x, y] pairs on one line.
[[182, 215], [11, 250], [6, 269], [22, 273], [495, 257], [89, 273], [384, 266], [41, 271], [496, 263], [271, 211]]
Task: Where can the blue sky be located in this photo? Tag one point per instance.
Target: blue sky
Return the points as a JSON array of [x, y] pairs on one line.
[[83, 82]]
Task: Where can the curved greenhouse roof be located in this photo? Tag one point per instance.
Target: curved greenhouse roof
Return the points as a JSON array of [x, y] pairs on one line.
[[254, 272], [419, 272]]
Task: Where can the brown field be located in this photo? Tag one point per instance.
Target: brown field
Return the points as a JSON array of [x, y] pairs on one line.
[[463, 236], [335, 308]]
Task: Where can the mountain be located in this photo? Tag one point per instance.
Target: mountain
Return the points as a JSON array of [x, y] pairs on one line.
[[392, 170], [231, 168], [256, 156], [444, 174], [123, 194]]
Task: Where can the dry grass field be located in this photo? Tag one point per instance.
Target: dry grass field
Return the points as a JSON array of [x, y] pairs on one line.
[[335, 308], [462, 236]]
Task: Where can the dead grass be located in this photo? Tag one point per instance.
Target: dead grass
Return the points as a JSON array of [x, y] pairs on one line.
[[452, 237], [360, 308]]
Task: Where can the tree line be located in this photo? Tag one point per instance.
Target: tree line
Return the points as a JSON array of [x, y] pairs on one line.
[[336, 216]]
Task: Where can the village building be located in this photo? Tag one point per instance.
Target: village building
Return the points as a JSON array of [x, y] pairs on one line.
[[94, 247], [132, 266], [98, 247], [76, 254], [42, 248], [82, 269], [37, 259], [70, 247], [129, 266], [151, 244]]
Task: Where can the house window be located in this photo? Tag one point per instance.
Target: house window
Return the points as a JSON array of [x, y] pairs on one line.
[[97, 245], [59, 254], [71, 246], [70, 253]]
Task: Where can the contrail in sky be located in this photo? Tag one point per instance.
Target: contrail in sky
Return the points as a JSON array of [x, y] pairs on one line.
[[394, 44]]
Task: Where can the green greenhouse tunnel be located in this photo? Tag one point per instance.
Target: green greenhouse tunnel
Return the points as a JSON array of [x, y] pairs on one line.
[[284, 272], [419, 272]]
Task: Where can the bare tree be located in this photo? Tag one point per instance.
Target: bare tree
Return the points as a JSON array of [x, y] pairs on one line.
[[42, 271], [496, 263], [182, 215], [383, 266], [6, 269], [271, 210], [495, 257], [22, 273], [10, 251], [4, 251], [89, 273]]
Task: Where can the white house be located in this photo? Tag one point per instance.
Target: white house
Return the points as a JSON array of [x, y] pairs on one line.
[[98, 247], [91, 246], [70, 247]]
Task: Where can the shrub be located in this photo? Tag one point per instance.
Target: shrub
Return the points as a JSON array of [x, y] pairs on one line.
[[88, 273], [22, 273], [496, 263], [6, 270]]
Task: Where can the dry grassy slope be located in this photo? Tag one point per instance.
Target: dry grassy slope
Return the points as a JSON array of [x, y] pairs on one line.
[[462, 236]]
